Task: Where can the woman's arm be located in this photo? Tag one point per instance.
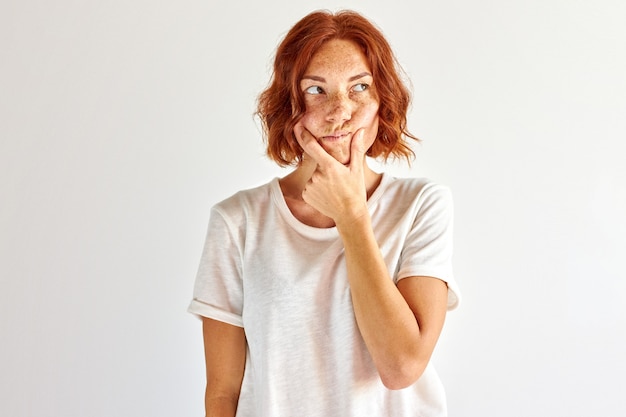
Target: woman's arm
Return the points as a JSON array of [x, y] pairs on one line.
[[225, 356], [399, 324]]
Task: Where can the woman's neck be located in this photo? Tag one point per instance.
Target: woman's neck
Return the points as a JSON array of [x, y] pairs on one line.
[[293, 184]]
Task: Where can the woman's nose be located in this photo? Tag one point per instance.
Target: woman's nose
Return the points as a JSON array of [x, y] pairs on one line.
[[339, 108]]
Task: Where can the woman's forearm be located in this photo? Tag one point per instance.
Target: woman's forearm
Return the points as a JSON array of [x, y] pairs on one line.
[[220, 407], [386, 322]]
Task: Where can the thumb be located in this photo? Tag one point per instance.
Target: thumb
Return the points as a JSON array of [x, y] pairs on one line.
[[357, 150]]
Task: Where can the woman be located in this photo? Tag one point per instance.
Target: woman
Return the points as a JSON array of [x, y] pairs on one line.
[[323, 293]]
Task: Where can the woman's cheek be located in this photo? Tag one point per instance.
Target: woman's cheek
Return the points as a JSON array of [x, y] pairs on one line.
[[371, 114], [371, 110], [308, 120], [372, 131], [367, 108], [369, 120]]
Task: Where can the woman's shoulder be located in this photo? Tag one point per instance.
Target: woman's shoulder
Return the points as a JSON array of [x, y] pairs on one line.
[[415, 188], [246, 200]]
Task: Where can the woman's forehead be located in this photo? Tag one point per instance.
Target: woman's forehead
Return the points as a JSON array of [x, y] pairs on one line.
[[338, 55]]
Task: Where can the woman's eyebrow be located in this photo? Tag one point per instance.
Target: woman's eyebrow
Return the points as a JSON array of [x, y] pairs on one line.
[[314, 78], [361, 75], [323, 80]]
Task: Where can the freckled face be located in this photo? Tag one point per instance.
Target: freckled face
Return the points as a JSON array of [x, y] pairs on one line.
[[340, 97]]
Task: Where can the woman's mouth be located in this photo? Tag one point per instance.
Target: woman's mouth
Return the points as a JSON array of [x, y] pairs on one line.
[[335, 137]]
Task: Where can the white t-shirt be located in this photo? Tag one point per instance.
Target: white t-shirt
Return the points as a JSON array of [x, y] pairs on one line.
[[285, 283]]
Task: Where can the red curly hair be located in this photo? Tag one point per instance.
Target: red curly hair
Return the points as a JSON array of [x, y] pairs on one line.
[[282, 105]]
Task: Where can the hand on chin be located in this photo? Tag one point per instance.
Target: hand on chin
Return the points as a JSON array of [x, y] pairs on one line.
[[340, 153]]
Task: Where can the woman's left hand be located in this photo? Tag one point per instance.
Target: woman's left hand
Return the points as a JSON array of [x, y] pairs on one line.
[[335, 190]]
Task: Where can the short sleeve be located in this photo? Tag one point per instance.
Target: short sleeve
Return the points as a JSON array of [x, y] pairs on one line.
[[428, 247], [218, 290]]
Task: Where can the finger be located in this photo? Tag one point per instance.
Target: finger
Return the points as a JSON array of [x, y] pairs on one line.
[[357, 150], [311, 146]]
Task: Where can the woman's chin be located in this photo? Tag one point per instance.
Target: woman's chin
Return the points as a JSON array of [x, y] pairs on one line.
[[340, 152], [340, 156]]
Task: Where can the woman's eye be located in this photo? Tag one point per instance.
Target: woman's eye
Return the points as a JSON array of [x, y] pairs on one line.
[[314, 89], [361, 87]]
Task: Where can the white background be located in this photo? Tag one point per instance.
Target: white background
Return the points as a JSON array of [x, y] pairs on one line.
[[123, 121]]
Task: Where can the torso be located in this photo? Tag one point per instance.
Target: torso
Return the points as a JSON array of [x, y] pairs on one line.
[[298, 303]]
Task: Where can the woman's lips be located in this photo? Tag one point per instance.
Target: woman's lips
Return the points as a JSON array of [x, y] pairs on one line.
[[335, 136]]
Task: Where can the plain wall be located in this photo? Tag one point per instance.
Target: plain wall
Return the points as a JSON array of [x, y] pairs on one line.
[[123, 122]]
